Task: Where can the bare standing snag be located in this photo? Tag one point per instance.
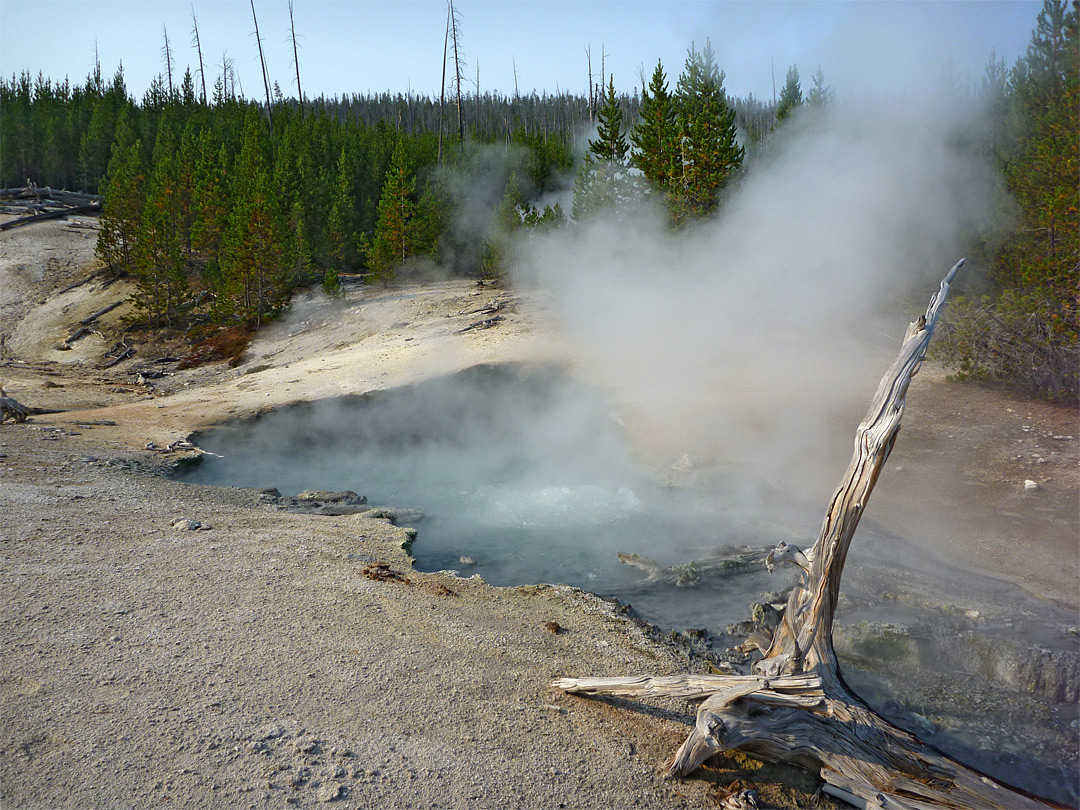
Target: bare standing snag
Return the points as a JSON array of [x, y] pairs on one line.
[[795, 706]]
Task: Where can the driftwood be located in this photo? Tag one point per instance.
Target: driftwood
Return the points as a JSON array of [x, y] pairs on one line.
[[723, 562], [795, 706]]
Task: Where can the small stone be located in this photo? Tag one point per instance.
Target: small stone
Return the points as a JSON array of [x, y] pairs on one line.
[[328, 791], [1030, 485], [186, 524], [270, 732]]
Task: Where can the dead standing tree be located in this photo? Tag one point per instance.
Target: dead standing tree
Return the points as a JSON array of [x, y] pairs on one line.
[[796, 706]]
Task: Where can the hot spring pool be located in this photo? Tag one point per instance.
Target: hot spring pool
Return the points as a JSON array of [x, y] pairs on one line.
[[523, 476]]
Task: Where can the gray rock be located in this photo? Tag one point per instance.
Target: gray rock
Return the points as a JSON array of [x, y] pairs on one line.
[[328, 791], [347, 497], [396, 515]]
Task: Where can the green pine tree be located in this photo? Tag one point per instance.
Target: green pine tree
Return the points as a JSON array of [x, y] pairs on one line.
[[791, 97], [603, 182], [159, 270], [654, 138], [123, 189], [1027, 331], [341, 226], [393, 241], [254, 282], [709, 154], [499, 253], [821, 93]]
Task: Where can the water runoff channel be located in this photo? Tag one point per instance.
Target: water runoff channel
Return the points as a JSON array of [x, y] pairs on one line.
[[522, 476]]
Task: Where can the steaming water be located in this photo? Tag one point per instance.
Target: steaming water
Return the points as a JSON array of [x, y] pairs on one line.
[[523, 477]]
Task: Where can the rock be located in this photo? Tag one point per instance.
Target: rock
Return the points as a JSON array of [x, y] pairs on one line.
[[466, 560], [347, 497], [397, 515], [1030, 486], [271, 732], [328, 791], [767, 616], [186, 524]]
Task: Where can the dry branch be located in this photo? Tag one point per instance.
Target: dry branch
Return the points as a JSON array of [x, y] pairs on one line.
[[795, 706]]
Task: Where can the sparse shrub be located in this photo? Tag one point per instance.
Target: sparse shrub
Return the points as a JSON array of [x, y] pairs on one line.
[[1029, 340]]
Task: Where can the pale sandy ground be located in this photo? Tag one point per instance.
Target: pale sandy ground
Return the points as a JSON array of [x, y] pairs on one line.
[[253, 664]]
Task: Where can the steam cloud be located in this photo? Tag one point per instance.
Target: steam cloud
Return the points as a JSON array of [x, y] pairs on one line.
[[757, 339]]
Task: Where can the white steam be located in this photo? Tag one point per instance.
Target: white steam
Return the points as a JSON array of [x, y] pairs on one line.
[[757, 338]]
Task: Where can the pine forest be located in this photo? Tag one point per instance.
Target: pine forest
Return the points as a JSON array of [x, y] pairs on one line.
[[220, 207]]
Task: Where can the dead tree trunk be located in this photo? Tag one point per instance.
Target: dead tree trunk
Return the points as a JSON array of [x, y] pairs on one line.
[[795, 706], [296, 58], [265, 75]]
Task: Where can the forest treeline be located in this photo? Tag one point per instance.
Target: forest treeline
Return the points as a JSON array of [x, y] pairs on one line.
[[220, 207]]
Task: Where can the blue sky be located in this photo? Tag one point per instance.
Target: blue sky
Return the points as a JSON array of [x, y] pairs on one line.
[[372, 45]]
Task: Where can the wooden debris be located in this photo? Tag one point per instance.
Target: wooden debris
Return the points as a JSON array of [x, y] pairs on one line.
[[49, 204], [487, 323], [12, 409], [120, 352], [91, 318], [382, 572], [795, 706], [724, 562]]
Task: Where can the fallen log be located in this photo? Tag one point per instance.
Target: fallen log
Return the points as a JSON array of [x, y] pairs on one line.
[[795, 705], [32, 192], [92, 207], [91, 318]]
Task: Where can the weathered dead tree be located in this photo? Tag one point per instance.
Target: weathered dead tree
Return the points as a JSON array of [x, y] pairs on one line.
[[795, 706], [11, 408]]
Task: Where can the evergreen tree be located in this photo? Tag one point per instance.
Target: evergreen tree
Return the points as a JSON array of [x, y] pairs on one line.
[[709, 154], [123, 192], [341, 229], [392, 243], [790, 96], [210, 209], [821, 93], [1028, 330], [654, 137], [254, 282], [96, 142], [499, 254], [159, 258], [603, 182], [610, 144]]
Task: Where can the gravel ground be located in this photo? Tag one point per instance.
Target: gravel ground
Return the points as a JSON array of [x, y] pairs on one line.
[[268, 659]]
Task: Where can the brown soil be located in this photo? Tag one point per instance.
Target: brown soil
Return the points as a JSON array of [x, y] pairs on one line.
[[253, 662]]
